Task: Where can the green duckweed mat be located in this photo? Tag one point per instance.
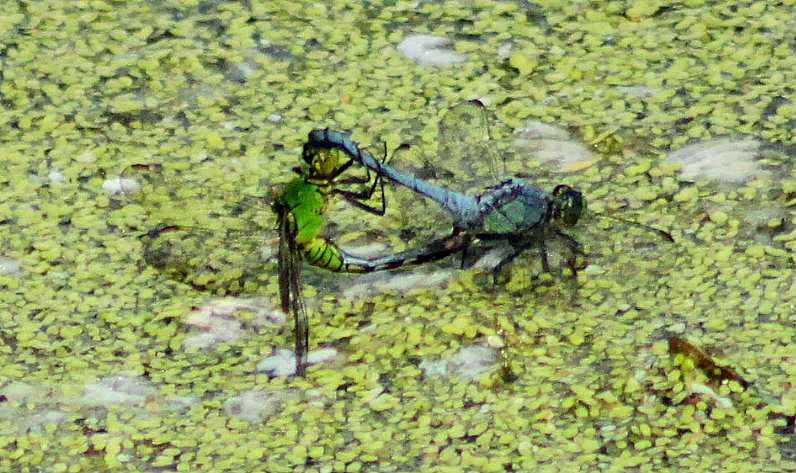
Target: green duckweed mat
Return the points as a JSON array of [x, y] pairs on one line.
[[99, 369]]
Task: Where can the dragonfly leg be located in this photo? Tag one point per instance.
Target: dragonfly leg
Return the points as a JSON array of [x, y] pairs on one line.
[[357, 197], [575, 250], [465, 250], [538, 240], [517, 249], [358, 179], [518, 243], [543, 256]]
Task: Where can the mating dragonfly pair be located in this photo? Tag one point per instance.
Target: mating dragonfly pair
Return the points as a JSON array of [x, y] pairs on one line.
[[511, 211], [516, 213]]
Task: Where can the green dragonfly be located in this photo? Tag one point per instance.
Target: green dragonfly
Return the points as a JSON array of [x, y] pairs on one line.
[[196, 255], [300, 210]]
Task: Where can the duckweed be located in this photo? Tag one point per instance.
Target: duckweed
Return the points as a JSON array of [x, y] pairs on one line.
[[223, 95]]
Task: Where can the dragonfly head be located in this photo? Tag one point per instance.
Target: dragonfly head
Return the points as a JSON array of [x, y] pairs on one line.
[[568, 205], [320, 161]]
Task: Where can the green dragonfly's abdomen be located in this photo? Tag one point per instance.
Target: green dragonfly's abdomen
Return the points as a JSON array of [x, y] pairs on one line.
[[301, 207], [323, 253]]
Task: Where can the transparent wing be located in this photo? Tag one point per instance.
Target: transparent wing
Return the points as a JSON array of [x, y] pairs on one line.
[[468, 157], [460, 156], [467, 145], [212, 236], [290, 265], [482, 150]]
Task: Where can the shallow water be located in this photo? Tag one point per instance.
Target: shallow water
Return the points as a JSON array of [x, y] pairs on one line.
[[100, 363]]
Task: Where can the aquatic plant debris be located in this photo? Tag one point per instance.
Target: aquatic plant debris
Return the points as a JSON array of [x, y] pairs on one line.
[[704, 362], [732, 161], [91, 88], [468, 363], [255, 405], [428, 49], [551, 144], [224, 320]]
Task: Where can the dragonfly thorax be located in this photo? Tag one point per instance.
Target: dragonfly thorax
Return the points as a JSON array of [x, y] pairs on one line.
[[512, 207], [567, 205]]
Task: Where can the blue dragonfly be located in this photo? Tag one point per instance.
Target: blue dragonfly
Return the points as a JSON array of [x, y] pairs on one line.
[[512, 210]]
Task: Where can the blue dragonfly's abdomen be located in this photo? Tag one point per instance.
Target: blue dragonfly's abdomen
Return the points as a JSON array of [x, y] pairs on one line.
[[463, 208]]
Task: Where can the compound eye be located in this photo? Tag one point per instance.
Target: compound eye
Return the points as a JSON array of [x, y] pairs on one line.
[[310, 153], [569, 205]]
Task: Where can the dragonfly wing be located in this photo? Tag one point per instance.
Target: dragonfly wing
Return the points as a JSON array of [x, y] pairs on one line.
[[290, 265], [197, 233], [465, 162], [468, 133]]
